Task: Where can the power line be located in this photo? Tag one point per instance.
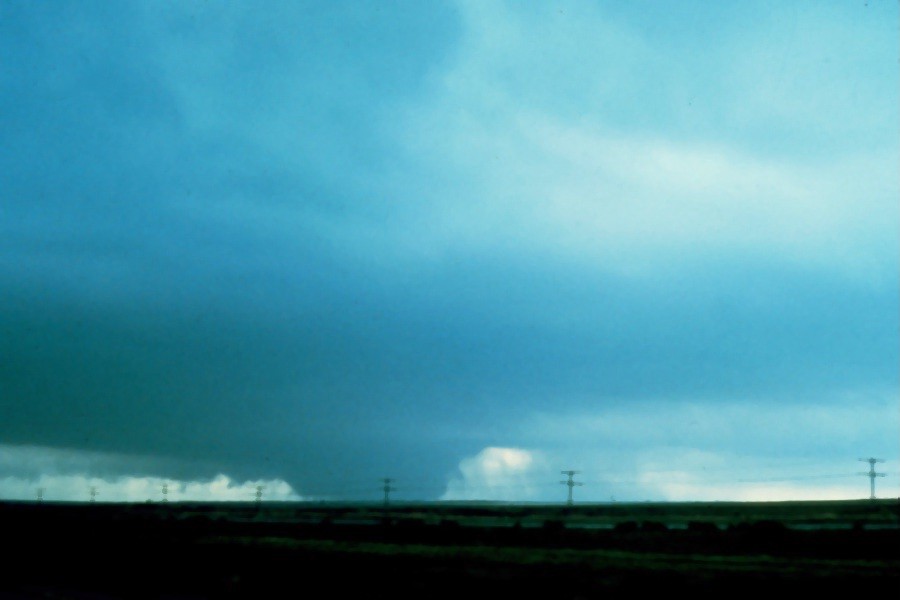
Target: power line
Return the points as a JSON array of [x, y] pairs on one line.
[[571, 483], [871, 474], [387, 489]]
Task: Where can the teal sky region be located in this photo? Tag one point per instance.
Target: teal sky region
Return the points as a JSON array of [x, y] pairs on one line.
[[466, 245]]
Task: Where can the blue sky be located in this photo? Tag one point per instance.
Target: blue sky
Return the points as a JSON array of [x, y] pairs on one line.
[[465, 245]]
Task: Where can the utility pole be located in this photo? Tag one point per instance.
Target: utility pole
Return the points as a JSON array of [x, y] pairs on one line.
[[571, 483], [871, 474], [387, 489]]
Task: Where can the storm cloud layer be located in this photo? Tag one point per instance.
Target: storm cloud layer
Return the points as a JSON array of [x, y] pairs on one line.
[[328, 242]]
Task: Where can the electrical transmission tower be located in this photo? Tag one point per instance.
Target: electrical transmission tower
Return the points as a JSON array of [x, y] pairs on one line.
[[94, 493], [871, 474], [40, 495], [571, 483], [387, 489], [259, 490], [165, 492]]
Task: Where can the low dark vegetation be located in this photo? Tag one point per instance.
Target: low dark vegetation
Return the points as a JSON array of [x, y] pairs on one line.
[[202, 551]]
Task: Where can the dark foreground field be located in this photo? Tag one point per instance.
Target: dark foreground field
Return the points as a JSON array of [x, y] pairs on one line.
[[447, 551]]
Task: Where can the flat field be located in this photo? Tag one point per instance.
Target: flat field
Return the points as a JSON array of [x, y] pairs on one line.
[[446, 550]]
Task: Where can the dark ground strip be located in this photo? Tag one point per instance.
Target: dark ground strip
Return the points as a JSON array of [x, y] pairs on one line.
[[113, 551]]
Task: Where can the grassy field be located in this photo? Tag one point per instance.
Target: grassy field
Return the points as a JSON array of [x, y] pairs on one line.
[[186, 550]]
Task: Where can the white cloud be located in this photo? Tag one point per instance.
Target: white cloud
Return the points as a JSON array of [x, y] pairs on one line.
[[223, 488], [496, 474], [679, 474], [69, 475], [676, 486], [659, 473], [76, 488]]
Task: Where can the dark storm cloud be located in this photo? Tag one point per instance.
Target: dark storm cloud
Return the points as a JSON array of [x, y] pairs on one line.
[[148, 307], [366, 367]]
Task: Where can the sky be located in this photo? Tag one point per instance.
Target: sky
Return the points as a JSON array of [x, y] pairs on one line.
[[463, 245]]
